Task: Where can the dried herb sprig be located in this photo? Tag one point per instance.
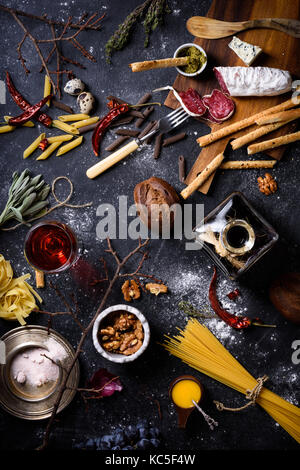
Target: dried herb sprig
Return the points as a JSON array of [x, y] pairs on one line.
[[27, 198], [192, 311], [151, 10], [154, 17]]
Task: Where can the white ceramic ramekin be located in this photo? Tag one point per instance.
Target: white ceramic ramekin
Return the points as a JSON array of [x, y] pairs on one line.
[[114, 357], [184, 46]]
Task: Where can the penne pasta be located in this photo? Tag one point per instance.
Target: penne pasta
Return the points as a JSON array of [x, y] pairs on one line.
[[7, 128], [73, 117], [59, 138], [70, 146], [49, 150], [26, 124], [64, 127], [34, 145], [85, 122], [47, 89]]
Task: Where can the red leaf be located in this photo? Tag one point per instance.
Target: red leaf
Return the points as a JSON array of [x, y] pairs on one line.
[[104, 384]]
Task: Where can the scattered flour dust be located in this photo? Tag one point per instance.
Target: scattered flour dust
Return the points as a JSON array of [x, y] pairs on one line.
[[32, 367], [193, 288]]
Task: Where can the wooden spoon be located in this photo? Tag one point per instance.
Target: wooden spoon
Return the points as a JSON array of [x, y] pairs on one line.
[[158, 64], [208, 28]]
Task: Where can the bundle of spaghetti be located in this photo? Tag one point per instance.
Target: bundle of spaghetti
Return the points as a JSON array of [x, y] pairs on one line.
[[200, 349]]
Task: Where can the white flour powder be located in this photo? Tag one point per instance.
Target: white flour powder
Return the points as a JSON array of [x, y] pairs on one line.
[[32, 367]]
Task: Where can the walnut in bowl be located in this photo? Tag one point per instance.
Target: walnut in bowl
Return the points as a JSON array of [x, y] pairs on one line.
[[121, 333]]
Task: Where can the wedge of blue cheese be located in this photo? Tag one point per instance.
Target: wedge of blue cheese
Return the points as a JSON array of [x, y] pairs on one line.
[[245, 51]]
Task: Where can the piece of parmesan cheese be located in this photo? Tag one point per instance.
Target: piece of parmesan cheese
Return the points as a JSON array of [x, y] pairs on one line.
[[245, 51]]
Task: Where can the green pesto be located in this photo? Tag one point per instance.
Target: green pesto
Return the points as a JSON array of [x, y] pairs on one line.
[[196, 59]]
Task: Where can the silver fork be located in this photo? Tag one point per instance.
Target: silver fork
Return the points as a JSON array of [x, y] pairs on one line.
[[164, 125]]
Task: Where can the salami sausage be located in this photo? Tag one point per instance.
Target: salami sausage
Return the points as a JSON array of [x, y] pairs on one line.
[[220, 106], [253, 81]]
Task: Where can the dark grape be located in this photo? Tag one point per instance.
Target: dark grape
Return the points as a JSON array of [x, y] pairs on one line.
[[143, 444], [154, 432], [98, 443], [119, 439], [90, 444], [127, 448], [143, 432], [116, 448], [79, 445], [155, 443], [107, 442], [131, 433]]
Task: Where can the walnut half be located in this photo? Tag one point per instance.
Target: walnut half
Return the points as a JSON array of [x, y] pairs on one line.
[[130, 290], [156, 288], [267, 185]]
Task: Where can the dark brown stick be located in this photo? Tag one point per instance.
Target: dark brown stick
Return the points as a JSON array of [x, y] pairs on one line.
[[128, 132], [157, 146], [88, 128], [181, 165], [146, 113], [62, 106], [173, 139], [117, 143], [135, 113], [149, 140], [146, 129]]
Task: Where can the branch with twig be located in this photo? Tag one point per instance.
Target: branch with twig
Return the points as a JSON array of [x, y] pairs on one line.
[[93, 22], [118, 273]]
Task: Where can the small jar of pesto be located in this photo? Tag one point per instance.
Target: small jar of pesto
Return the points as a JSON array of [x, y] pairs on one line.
[[197, 59]]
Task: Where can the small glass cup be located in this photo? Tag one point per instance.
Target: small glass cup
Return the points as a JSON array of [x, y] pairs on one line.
[[235, 235], [51, 247]]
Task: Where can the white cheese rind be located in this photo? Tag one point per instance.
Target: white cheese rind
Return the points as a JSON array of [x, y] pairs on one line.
[[255, 81], [245, 51]]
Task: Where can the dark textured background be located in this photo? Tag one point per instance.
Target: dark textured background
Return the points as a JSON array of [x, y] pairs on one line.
[[262, 351]]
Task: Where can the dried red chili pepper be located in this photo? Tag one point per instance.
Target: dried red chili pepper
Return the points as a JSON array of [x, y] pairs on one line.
[[43, 118], [29, 113], [231, 319], [233, 294], [105, 122], [43, 144]]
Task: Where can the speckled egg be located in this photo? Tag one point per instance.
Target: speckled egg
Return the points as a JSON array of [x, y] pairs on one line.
[[86, 102], [74, 87]]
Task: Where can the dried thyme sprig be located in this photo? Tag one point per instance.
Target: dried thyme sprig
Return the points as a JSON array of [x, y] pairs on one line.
[[27, 197], [192, 311], [151, 10], [154, 17]]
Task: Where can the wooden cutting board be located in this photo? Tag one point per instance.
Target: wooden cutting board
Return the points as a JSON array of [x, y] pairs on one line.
[[279, 51]]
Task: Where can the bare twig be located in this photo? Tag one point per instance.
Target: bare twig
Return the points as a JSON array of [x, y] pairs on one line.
[[46, 20], [120, 264], [83, 24]]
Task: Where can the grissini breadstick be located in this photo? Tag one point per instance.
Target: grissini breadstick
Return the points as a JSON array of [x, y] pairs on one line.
[[279, 117], [262, 130], [273, 143], [246, 165], [237, 126], [202, 177], [158, 64]]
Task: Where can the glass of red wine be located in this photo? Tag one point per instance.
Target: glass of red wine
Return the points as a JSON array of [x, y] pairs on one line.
[[51, 247]]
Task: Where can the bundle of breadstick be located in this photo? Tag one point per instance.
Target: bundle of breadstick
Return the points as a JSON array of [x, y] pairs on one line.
[[266, 121]]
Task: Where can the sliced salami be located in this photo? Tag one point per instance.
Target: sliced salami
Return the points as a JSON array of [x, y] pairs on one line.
[[193, 101], [219, 105], [208, 117], [253, 81], [190, 100]]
